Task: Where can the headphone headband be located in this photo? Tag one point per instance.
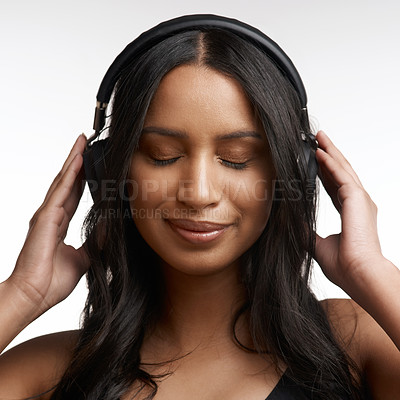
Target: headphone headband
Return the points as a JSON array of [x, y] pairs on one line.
[[192, 22]]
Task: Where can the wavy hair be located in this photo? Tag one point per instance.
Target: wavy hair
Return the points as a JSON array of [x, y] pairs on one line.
[[286, 320]]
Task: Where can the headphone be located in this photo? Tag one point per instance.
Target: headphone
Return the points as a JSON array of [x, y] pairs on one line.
[[94, 155]]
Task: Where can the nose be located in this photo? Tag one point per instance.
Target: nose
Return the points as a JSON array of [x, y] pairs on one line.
[[199, 185]]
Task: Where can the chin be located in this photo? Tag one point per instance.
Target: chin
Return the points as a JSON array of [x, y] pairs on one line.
[[198, 266]]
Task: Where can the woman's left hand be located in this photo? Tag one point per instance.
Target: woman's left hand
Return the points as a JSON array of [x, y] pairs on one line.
[[344, 256]]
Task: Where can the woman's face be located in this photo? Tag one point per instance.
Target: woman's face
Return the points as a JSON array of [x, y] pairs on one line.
[[202, 178]]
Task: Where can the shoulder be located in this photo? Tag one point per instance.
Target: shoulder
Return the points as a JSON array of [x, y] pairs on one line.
[[349, 324], [367, 344], [36, 365]]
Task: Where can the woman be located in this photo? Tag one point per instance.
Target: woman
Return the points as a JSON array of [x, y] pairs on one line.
[[198, 267]]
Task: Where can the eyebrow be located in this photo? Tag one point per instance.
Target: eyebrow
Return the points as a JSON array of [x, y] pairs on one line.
[[164, 132], [239, 134], [184, 135]]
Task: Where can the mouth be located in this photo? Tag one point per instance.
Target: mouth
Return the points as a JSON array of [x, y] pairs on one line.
[[197, 231]]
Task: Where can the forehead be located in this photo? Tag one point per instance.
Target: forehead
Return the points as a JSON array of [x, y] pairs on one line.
[[192, 97]]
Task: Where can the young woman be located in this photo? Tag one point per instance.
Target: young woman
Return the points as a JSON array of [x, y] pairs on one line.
[[198, 257]]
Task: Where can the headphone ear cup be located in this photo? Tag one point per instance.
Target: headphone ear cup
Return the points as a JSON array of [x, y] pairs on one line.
[[95, 167], [309, 146]]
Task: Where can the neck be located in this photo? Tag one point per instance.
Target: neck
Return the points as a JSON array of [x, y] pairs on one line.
[[199, 310]]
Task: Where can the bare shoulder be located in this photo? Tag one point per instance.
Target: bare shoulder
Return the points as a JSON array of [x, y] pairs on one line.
[[36, 365], [367, 344], [345, 316]]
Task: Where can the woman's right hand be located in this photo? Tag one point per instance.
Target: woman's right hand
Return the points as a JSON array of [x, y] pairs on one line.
[[47, 270]]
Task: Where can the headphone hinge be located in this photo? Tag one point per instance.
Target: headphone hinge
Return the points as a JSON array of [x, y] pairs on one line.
[[99, 116]]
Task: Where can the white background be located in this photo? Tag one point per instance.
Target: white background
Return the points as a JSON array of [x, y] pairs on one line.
[[53, 55]]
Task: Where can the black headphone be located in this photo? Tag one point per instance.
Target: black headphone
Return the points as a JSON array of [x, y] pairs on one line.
[[94, 154]]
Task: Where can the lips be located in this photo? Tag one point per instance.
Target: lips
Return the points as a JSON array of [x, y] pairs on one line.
[[197, 231]]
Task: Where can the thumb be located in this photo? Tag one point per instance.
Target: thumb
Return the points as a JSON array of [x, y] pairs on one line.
[[84, 260], [326, 250]]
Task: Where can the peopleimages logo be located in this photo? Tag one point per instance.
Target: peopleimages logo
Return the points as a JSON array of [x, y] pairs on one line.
[[189, 190]]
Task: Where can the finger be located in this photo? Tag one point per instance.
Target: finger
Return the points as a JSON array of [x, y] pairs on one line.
[[79, 263], [334, 176], [334, 168], [85, 261], [65, 185], [325, 248], [72, 202], [330, 186], [325, 143], [61, 194], [77, 148], [68, 192], [318, 252], [319, 242]]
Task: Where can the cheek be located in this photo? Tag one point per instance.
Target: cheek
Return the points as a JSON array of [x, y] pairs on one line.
[[253, 191], [148, 188], [253, 196]]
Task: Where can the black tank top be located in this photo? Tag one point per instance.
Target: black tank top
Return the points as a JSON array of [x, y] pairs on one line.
[[287, 389]]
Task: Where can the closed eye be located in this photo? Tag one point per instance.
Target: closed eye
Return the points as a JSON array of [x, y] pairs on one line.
[[234, 165], [230, 164], [169, 161]]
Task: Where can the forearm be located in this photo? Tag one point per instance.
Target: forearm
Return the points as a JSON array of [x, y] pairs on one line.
[[15, 313], [377, 291]]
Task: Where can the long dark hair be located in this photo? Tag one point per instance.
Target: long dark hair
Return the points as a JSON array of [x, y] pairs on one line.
[[125, 287]]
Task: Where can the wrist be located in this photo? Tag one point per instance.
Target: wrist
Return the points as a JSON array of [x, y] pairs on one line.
[[16, 302], [369, 280], [361, 275], [13, 318], [376, 291]]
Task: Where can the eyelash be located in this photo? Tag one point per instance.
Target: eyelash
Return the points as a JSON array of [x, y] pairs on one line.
[[239, 166], [229, 164], [162, 163]]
